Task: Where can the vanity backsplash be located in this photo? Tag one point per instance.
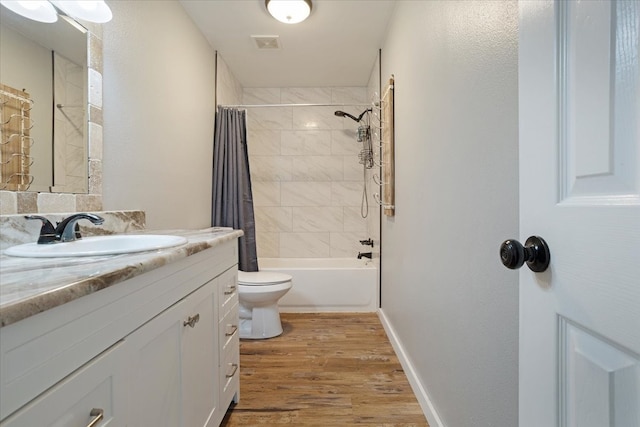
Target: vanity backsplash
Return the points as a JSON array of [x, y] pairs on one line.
[[16, 229]]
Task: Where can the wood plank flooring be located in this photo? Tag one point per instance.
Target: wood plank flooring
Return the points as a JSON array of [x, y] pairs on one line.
[[336, 369]]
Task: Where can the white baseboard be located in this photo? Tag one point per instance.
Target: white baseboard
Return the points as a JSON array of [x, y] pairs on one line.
[[418, 388]]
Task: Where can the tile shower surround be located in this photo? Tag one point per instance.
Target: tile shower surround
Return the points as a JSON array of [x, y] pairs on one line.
[[306, 180], [69, 146]]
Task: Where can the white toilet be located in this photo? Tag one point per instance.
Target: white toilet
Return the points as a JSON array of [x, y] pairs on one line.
[[258, 293]]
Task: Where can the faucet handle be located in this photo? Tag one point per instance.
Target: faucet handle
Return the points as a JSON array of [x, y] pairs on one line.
[[68, 229], [368, 242], [47, 231]]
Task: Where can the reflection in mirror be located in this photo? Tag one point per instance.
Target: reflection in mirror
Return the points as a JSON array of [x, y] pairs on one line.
[[48, 62]]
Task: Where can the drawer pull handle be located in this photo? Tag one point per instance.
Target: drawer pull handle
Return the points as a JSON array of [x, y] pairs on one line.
[[235, 368], [230, 289], [192, 320], [97, 415], [234, 328]]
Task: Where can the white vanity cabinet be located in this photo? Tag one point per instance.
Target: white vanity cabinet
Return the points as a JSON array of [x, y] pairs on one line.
[[174, 364], [159, 349]]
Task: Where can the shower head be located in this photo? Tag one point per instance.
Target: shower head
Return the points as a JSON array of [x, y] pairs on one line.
[[354, 118], [343, 114]]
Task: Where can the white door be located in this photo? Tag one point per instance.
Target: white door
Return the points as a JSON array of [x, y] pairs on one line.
[[580, 191]]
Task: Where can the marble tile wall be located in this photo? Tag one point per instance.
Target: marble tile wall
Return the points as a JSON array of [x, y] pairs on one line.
[[306, 180], [69, 148]]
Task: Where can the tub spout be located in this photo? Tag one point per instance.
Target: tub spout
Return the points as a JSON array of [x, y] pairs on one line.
[[364, 255]]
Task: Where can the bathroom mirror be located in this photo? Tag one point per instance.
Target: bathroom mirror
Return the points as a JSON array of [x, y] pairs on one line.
[[48, 61]]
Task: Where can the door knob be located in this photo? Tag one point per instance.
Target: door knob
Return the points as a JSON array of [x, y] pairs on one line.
[[535, 253]]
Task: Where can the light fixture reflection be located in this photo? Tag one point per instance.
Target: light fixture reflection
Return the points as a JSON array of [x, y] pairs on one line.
[[88, 10], [289, 11], [41, 11]]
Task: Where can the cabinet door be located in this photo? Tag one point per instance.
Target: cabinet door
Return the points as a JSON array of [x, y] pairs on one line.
[[155, 370], [200, 360], [174, 368], [95, 392]]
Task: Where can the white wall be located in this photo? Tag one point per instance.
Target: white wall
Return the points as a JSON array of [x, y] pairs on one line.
[[228, 88], [453, 306], [159, 85]]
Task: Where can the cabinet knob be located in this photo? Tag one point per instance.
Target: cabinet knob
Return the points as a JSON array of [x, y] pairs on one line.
[[192, 320], [96, 415]]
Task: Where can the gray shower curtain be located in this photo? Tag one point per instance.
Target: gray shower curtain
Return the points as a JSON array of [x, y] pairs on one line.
[[232, 202]]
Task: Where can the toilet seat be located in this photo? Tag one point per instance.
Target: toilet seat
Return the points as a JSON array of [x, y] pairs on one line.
[[262, 278]]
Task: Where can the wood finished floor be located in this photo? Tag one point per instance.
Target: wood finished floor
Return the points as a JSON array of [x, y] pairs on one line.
[[324, 370]]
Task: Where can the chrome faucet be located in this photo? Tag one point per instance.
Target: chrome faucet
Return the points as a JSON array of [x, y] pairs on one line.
[[364, 255], [66, 230]]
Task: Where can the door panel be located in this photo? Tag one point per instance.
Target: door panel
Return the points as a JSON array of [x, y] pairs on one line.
[[579, 190], [599, 381], [597, 67]]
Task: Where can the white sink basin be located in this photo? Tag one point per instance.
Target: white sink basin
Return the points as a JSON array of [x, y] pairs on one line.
[[99, 245]]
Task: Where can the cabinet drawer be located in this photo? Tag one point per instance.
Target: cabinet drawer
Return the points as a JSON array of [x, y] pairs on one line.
[[96, 388], [230, 374], [228, 291], [228, 328]]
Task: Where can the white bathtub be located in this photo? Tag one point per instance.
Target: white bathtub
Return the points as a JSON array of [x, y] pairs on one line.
[[327, 284]]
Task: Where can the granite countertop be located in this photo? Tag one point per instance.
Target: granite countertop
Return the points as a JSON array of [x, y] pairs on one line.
[[32, 285]]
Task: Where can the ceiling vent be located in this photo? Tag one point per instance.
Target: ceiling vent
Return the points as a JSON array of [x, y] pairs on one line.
[[266, 42]]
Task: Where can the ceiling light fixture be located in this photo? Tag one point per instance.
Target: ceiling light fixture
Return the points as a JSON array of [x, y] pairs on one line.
[[43, 11], [289, 11]]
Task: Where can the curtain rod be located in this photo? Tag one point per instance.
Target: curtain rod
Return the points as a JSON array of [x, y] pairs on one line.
[[295, 105]]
